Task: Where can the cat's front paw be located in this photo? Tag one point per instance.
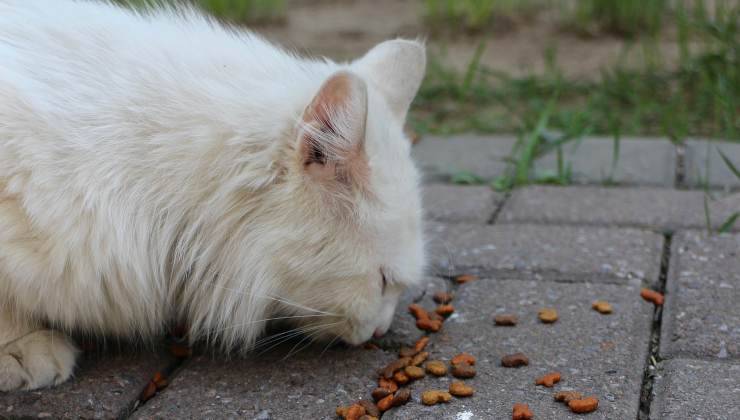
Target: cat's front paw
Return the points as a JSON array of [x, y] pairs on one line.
[[40, 359]]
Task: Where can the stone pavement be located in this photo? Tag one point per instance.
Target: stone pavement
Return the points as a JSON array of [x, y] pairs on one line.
[[535, 247]]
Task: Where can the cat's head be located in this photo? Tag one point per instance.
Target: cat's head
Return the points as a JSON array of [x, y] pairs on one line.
[[360, 242]]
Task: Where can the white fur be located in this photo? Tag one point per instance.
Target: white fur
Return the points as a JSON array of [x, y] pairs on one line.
[[150, 173]]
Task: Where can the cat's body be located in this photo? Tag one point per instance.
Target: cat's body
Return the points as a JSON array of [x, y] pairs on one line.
[[162, 169]]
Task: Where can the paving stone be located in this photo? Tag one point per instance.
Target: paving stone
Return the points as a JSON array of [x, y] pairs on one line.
[[640, 162], [105, 385], [695, 389], [307, 385], [653, 208], [442, 157], [460, 204], [403, 331], [568, 253], [702, 316], [704, 165], [601, 355]]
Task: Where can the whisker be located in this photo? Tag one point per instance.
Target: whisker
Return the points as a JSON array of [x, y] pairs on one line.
[[284, 301], [266, 320]]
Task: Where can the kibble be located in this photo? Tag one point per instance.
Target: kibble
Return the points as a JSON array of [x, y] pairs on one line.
[[368, 417], [514, 360], [394, 366], [388, 384], [370, 408], [419, 358], [460, 389], [401, 378], [401, 397], [602, 307], [407, 352], [421, 344], [380, 393], [463, 371], [548, 315], [522, 412], [354, 412], [466, 278], [386, 403], [584, 405], [463, 358], [652, 296], [436, 368], [567, 396], [433, 397], [505, 320], [548, 380], [445, 310], [442, 297], [414, 372]]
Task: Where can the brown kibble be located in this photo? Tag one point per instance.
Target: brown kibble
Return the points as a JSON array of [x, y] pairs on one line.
[[548, 380], [368, 417], [402, 397], [459, 389], [379, 393], [401, 378], [407, 352], [463, 370], [414, 372], [418, 312], [505, 320], [466, 278], [602, 307], [567, 396], [160, 381], [445, 310], [386, 403], [442, 298], [432, 325], [433, 397], [584, 405], [342, 411], [394, 366], [419, 358], [514, 360], [652, 296], [436, 368], [370, 408], [388, 384], [149, 391], [421, 344], [548, 315], [522, 412], [463, 358], [354, 412]]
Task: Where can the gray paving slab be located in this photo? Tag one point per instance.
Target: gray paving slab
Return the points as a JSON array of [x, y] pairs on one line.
[[601, 355], [105, 385], [695, 389], [704, 164], [568, 253], [641, 161], [460, 204], [702, 315], [442, 157], [658, 209], [307, 385]]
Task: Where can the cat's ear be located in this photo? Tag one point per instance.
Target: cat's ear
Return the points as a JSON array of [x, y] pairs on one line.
[[332, 133], [396, 68]]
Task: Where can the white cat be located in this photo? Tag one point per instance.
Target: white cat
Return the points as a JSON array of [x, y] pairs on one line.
[[161, 168]]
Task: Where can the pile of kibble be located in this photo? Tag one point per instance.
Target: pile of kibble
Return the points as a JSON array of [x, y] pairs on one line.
[[393, 378]]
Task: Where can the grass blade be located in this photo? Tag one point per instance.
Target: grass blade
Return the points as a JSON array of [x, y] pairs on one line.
[[729, 223], [729, 163]]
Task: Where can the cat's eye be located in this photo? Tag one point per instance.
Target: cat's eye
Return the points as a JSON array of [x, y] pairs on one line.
[[385, 282]]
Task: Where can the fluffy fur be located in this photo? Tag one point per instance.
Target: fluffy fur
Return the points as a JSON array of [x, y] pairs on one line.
[[161, 168]]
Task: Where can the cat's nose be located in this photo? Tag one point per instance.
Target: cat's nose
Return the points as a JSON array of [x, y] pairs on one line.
[[379, 333]]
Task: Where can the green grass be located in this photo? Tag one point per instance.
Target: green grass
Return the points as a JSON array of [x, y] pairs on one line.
[[623, 17], [698, 97], [455, 16]]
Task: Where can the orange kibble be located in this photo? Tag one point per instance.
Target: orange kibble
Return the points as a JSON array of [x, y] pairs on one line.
[[445, 310], [584, 405], [386, 403], [652, 296], [548, 380], [388, 384], [442, 297], [463, 358], [421, 344], [522, 412], [466, 278], [401, 377]]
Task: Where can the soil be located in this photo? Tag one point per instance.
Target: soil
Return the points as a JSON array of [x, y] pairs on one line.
[[345, 29]]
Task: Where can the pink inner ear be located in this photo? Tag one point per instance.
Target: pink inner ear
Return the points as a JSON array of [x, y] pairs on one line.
[[332, 145]]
